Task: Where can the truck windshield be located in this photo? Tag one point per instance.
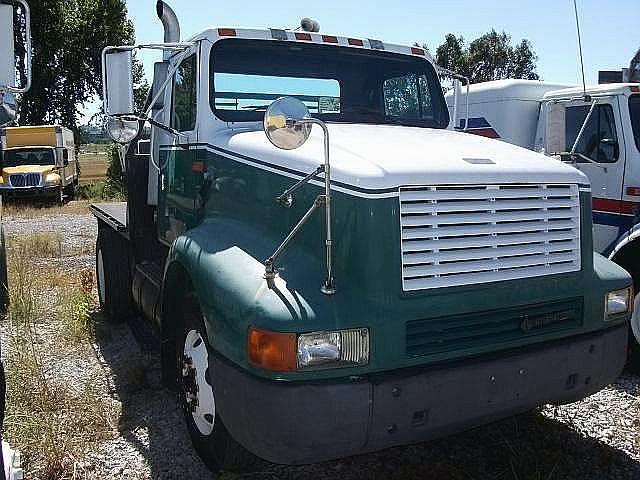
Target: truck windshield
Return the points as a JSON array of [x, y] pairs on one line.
[[634, 112], [28, 156], [337, 84]]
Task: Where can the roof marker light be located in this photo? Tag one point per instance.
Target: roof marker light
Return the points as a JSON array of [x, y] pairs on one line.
[[417, 51], [227, 32], [376, 44], [303, 36], [634, 89], [356, 42], [278, 34], [329, 39]]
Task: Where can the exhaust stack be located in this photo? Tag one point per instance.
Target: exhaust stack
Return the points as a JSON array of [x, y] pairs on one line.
[[170, 23]]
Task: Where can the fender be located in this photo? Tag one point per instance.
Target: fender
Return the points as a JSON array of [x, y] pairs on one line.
[[625, 239], [223, 258]]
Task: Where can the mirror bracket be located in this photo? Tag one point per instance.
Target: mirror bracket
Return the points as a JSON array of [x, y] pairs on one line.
[[287, 124], [269, 264], [286, 198]]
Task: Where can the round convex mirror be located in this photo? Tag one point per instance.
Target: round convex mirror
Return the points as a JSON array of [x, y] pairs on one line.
[[122, 131], [283, 123]]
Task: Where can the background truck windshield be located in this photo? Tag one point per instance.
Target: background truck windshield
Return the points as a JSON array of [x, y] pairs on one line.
[[634, 111], [28, 156], [337, 84]]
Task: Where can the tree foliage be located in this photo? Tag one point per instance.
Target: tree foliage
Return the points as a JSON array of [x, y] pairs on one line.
[[67, 40], [489, 57]]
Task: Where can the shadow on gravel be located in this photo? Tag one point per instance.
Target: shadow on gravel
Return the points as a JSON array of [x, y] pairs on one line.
[[154, 441], [628, 382], [527, 447]]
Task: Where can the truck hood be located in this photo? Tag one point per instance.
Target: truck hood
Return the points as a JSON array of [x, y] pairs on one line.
[[384, 157], [42, 169]]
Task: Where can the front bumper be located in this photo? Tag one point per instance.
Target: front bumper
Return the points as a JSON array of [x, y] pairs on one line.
[[304, 423], [30, 192]]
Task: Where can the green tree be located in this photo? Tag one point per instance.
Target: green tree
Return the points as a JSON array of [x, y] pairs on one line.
[[67, 38], [489, 57]]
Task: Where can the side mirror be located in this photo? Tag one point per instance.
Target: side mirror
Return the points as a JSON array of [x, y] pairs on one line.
[[8, 81], [284, 123], [117, 88], [556, 141], [117, 82]]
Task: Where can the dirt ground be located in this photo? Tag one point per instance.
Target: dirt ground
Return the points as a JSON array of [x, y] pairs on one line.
[[143, 435]]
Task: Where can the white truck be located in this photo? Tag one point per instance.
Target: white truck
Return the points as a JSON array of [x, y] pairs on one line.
[[9, 458], [597, 129]]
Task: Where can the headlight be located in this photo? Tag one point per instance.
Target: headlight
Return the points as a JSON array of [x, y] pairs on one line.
[[52, 180], [287, 352], [340, 348], [618, 302]]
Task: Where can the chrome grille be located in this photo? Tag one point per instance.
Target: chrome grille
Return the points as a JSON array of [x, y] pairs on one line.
[[24, 179], [460, 235]]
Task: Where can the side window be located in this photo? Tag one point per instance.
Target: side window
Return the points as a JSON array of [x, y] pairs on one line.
[[183, 107], [407, 97], [599, 140]]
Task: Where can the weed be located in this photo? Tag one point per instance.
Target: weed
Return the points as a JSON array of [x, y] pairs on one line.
[[74, 310], [102, 190], [52, 423], [37, 245]]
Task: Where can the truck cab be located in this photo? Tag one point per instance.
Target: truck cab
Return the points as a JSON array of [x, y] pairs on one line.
[[596, 129], [608, 153], [38, 162], [328, 269]]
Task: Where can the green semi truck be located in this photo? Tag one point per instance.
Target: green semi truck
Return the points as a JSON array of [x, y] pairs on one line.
[[328, 269]]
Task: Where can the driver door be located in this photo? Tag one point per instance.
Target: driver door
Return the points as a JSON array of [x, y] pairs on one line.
[[180, 180], [602, 145]]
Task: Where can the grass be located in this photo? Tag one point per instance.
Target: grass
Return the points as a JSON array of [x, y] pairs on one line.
[[100, 190], [74, 310], [94, 162], [25, 210], [38, 245], [51, 422]]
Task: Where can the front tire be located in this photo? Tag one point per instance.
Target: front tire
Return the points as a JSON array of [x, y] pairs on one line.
[[113, 277], [633, 356], [210, 438]]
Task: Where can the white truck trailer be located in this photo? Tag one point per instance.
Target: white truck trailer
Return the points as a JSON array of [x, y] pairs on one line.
[[596, 129]]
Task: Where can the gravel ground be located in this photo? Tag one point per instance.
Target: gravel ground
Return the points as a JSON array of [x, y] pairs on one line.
[[596, 438]]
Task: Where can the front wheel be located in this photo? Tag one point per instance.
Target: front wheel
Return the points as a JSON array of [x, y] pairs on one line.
[[633, 360], [210, 438]]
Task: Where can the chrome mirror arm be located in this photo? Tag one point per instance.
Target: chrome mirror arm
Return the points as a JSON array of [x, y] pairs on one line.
[[269, 264], [286, 197], [328, 288], [287, 124]]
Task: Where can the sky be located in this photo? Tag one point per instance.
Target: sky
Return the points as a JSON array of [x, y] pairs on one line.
[[609, 36]]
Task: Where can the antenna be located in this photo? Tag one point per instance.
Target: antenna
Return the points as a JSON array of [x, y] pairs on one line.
[[575, 9]]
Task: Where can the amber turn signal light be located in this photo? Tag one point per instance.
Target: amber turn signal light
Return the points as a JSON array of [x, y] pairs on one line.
[[272, 350]]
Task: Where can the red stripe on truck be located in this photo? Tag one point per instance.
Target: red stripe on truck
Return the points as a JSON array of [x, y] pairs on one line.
[[484, 132], [614, 206]]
